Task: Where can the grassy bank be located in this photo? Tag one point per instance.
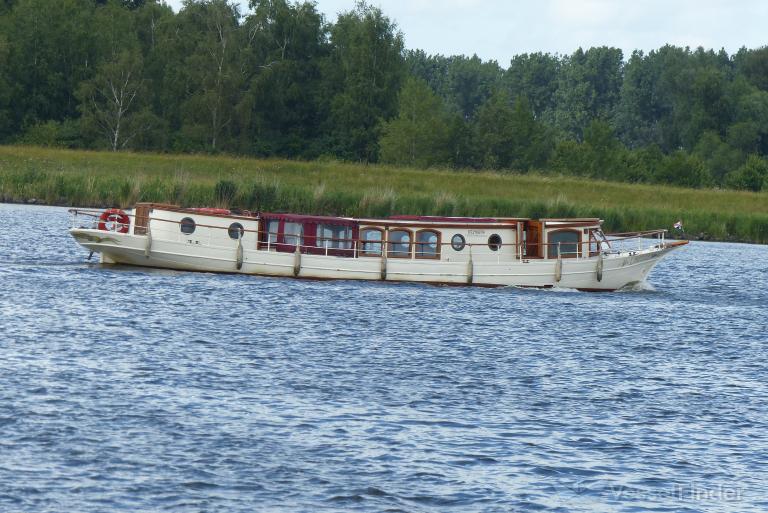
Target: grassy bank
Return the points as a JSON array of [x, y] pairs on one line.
[[98, 179]]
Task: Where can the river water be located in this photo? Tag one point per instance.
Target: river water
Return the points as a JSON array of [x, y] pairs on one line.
[[126, 389]]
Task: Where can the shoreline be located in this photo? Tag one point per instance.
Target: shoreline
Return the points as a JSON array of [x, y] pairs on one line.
[[94, 179]]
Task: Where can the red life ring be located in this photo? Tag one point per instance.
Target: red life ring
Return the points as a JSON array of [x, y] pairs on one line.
[[114, 220]]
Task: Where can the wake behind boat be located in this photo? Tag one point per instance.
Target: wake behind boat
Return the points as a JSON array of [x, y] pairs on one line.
[[544, 253]]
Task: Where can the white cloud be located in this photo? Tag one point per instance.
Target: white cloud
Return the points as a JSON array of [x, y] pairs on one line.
[[585, 12], [499, 29]]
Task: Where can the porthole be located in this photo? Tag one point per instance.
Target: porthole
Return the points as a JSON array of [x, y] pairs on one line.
[[494, 242], [458, 242], [236, 231], [187, 225]]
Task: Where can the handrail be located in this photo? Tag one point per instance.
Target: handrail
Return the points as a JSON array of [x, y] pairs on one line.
[[584, 247], [638, 234]]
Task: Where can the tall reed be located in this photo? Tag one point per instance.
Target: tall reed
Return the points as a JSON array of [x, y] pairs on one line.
[[102, 179]]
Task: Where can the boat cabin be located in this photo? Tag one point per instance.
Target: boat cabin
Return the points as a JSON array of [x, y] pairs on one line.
[[448, 239], [568, 238]]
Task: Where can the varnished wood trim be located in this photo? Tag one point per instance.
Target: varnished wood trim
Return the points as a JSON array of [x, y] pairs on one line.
[[189, 211]]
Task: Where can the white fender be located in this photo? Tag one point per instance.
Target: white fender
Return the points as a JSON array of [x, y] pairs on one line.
[[470, 268], [148, 242], [239, 253], [599, 267], [297, 260], [384, 249]]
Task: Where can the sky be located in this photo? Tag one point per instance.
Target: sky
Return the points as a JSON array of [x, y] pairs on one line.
[[499, 29]]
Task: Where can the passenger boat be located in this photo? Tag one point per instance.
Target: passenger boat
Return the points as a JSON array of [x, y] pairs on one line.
[[568, 253]]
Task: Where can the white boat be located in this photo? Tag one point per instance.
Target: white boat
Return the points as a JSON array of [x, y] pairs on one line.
[[568, 253]]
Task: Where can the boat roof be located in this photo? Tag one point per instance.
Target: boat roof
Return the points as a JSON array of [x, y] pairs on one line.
[[572, 222], [307, 218], [393, 220], [445, 219]]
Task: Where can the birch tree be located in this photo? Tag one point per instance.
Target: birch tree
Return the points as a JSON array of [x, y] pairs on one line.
[[110, 100], [213, 72]]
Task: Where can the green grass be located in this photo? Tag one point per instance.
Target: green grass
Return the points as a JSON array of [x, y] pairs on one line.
[[100, 179]]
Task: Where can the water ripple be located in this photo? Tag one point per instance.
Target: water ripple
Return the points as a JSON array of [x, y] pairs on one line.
[[134, 389]]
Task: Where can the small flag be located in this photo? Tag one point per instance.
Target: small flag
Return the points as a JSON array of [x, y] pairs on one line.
[[678, 225]]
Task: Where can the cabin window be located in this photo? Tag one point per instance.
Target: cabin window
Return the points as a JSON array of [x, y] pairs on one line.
[[236, 231], [187, 226], [494, 242], [458, 242], [568, 241], [371, 238], [399, 244], [333, 236], [427, 244], [292, 234], [272, 226]]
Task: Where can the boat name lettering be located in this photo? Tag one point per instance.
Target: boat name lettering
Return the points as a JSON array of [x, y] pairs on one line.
[[477, 232]]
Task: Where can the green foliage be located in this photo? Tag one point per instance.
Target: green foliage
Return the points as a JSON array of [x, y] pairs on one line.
[[599, 156], [110, 101], [65, 134], [508, 137], [719, 156], [87, 178], [472, 83], [753, 65], [282, 110], [366, 68], [212, 70], [464, 83], [421, 135], [6, 121], [589, 84], [263, 196], [225, 192], [52, 49], [282, 81], [752, 113], [752, 176], [683, 169], [642, 165], [534, 76]]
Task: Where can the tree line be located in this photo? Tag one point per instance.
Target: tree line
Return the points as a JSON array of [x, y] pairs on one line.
[[281, 80]]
